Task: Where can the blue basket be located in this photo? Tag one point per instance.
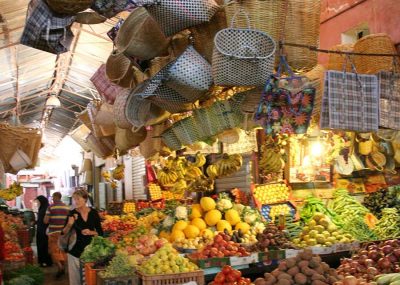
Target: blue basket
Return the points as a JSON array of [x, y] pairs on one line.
[[266, 209]]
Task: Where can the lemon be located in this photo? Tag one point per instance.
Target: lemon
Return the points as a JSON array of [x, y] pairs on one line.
[[180, 225], [177, 235], [199, 223], [207, 204], [206, 233], [244, 227], [196, 212], [213, 217], [224, 225], [191, 231], [232, 216]]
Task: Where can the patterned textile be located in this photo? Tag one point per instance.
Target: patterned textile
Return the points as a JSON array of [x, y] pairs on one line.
[[110, 8], [389, 91], [107, 90], [57, 213], [46, 31], [350, 102], [284, 110]]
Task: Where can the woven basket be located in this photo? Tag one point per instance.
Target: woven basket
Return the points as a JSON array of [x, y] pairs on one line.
[[126, 139], [69, 7], [230, 136], [170, 139], [242, 57], [376, 43], [133, 77], [206, 118], [153, 143], [316, 77], [157, 64], [265, 15], [2, 172], [101, 147], [251, 101], [203, 34], [302, 27], [187, 131], [336, 61], [89, 18], [120, 119], [117, 66], [140, 36], [228, 117], [84, 118], [79, 135]]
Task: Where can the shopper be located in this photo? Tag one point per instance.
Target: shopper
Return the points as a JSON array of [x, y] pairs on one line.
[[56, 217], [44, 258], [86, 222]]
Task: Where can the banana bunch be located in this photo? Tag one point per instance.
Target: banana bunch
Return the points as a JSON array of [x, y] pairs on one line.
[[200, 160], [12, 192], [166, 176], [271, 161], [192, 172], [106, 175], [201, 184], [179, 187], [227, 165], [114, 185], [178, 164], [118, 172]]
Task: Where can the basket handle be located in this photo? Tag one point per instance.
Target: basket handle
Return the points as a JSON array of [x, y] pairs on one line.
[[240, 11]]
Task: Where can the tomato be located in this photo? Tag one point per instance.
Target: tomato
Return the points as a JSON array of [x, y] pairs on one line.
[[236, 274], [226, 269], [220, 278], [230, 278]]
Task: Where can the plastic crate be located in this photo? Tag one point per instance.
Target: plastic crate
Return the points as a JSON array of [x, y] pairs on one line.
[[91, 274], [266, 209], [122, 280], [176, 279]]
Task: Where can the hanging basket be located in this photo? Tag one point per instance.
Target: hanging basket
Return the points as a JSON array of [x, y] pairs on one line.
[[117, 66], [302, 26], [120, 119], [376, 43], [69, 7], [336, 61], [316, 79], [126, 139], [187, 131], [153, 143], [251, 101], [171, 140], [20, 160]]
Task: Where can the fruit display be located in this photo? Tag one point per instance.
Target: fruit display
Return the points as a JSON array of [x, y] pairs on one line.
[[351, 280], [11, 192], [346, 206], [271, 193], [201, 183], [125, 237], [168, 195], [155, 191], [304, 269], [166, 176], [320, 231], [315, 205], [271, 238], [373, 260], [389, 225], [145, 244], [388, 279], [98, 249], [272, 212], [228, 275], [292, 228], [119, 266], [12, 251], [166, 261], [118, 172], [129, 207], [271, 160], [222, 246], [200, 159], [380, 200], [227, 165], [116, 223], [195, 243]]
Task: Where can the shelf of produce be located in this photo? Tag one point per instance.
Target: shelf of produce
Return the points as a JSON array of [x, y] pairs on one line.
[[288, 208], [178, 278], [271, 193]]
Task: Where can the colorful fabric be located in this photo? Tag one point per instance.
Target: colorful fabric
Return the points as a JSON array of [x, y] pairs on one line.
[[57, 213], [45, 31], [389, 91], [110, 8], [286, 111], [56, 253], [350, 102]]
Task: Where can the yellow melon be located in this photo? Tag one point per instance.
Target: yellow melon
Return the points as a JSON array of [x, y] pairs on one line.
[[164, 234], [191, 232], [207, 204], [180, 225], [207, 233], [176, 235], [224, 225], [196, 212], [244, 227], [232, 216], [213, 217], [199, 223]]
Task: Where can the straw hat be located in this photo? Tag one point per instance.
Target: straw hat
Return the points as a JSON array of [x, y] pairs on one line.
[[140, 36], [89, 18]]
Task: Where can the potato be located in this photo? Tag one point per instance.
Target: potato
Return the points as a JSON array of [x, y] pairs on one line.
[[291, 262], [332, 279], [325, 266], [284, 275], [303, 263], [276, 273], [268, 276], [293, 271], [300, 278], [282, 266], [318, 282], [284, 282], [307, 271], [306, 254], [317, 276], [314, 263], [319, 270], [260, 281]]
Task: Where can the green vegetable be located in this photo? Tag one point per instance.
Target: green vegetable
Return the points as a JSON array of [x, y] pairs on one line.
[[119, 266], [31, 271], [389, 225], [314, 205], [21, 280], [98, 249]]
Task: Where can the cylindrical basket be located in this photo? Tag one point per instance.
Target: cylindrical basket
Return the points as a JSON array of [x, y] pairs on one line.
[[117, 66], [126, 139], [170, 139], [69, 7], [206, 118], [376, 43], [153, 143], [302, 26], [316, 77], [187, 131], [336, 61], [120, 119]]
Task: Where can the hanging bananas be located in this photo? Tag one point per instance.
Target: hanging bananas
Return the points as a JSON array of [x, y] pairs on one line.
[[201, 184], [192, 172], [227, 165], [12, 192], [166, 176], [200, 160], [118, 172], [271, 161], [179, 187]]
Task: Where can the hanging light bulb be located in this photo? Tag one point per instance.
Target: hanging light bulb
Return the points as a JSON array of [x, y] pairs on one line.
[[53, 101]]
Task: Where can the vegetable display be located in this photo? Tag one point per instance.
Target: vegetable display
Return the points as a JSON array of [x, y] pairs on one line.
[[119, 266], [380, 200], [271, 238], [228, 275], [314, 205], [389, 225], [346, 206], [98, 249]]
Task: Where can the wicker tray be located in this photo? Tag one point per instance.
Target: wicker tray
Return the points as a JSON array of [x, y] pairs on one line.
[[176, 279]]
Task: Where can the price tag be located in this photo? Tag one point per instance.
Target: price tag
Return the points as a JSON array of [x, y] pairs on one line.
[[292, 252], [235, 260], [190, 283]]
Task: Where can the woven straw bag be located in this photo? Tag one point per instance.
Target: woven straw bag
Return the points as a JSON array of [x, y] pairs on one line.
[[117, 66], [302, 26], [69, 7], [170, 139], [79, 135], [206, 118], [336, 61], [142, 112], [2, 172], [89, 18], [120, 119], [101, 147], [102, 118], [125, 139], [85, 118], [316, 77], [140, 36], [153, 143], [174, 16], [242, 57], [265, 15], [376, 43]]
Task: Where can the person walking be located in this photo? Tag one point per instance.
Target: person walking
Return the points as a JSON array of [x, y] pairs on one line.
[[56, 217], [86, 222], [44, 258]]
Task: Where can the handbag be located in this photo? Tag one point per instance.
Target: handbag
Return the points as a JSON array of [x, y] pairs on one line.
[[389, 102], [287, 103], [350, 101], [67, 241], [174, 16], [242, 57]]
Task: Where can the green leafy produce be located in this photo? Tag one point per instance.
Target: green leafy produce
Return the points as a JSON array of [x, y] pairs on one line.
[[382, 199], [359, 230], [98, 249], [389, 225], [293, 228], [314, 205], [21, 280], [119, 266], [31, 271]]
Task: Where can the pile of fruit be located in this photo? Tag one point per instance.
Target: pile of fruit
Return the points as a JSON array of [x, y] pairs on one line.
[[196, 243], [380, 200], [166, 261], [271, 160], [228, 275], [376, 259], [227, 165], [118, 172], [388, 279], [125, 237], [11, 192], [12, 251], [319, 231], [315, 205], [222, 246], [389, 225], [306, 268], [155, 191], [271, 193], [271, 238], [118, 267], [129, 207], [144, 244], [272, 212], [116, 223]]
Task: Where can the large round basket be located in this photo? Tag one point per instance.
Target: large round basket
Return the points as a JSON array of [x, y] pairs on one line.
[[336, 61], [69, 7]]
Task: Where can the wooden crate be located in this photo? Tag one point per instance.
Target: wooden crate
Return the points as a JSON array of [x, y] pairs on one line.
[[122, 280], [176, 279]]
